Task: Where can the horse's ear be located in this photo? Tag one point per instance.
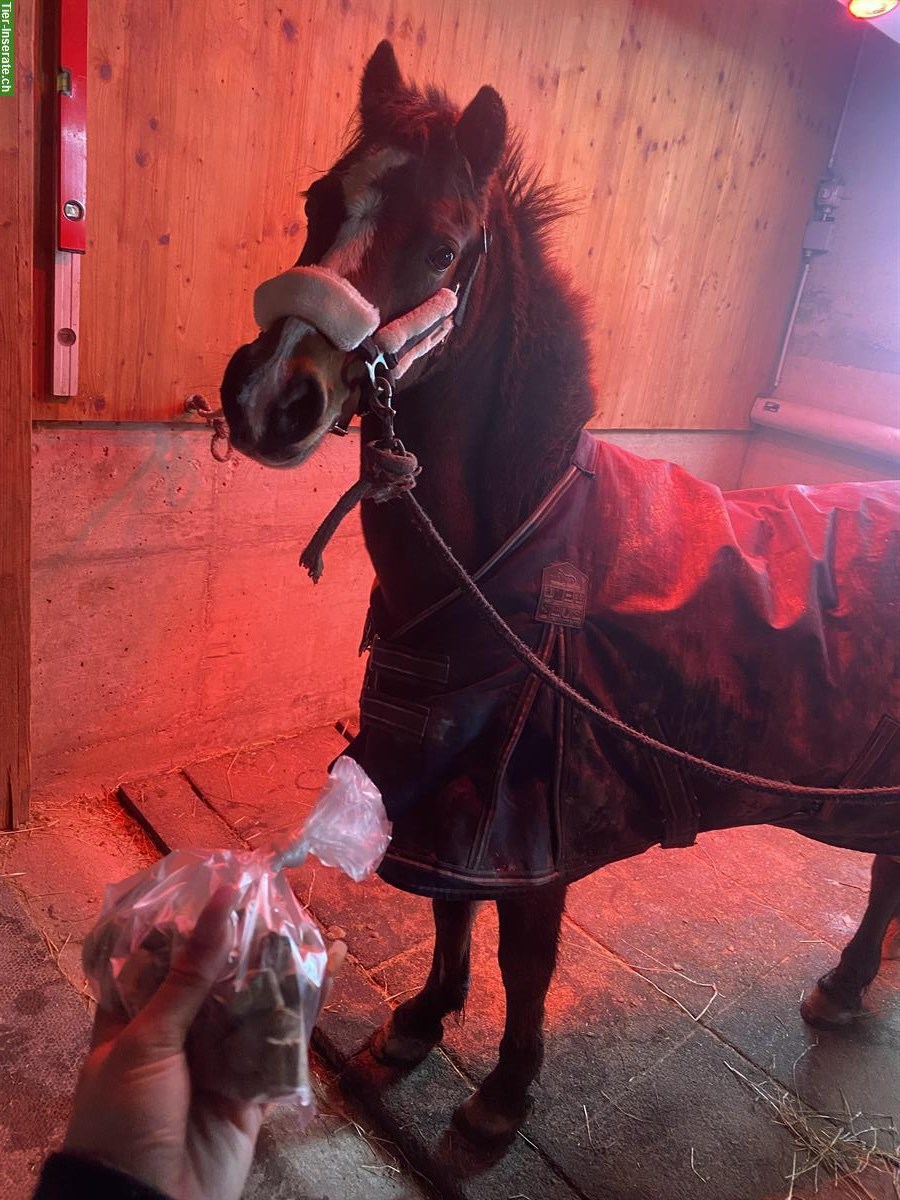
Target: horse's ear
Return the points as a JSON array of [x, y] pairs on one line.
[[481, 133], [381, 81]]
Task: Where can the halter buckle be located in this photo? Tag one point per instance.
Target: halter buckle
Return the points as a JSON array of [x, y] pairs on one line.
[[464, 287], [376, 388], [381, 394]]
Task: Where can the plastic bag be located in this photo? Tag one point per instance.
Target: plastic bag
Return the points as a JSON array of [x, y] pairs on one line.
[[250, 1040], [348, 828]]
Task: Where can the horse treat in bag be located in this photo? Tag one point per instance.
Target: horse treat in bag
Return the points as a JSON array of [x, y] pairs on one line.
[[250, 1040]]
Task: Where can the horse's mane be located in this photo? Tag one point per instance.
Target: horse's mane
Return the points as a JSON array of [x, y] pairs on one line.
[[535, 204], [421, 120], [531, 342]]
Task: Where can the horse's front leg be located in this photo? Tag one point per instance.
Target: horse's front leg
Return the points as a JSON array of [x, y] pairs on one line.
[[529, 936], [837, 998], [416, 1026]]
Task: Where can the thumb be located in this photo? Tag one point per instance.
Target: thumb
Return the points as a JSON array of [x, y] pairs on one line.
[[193, 973]]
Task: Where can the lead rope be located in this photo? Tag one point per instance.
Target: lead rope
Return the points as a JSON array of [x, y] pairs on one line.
[[621, 729], [220, 445], [388, 470]]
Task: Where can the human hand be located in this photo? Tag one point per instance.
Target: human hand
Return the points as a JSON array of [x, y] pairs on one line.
[[135, 1107]]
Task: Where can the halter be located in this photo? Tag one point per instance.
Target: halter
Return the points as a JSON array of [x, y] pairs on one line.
[[317, 298], [330, 304]]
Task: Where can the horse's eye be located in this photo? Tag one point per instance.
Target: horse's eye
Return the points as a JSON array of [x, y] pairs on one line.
[[442, 257]]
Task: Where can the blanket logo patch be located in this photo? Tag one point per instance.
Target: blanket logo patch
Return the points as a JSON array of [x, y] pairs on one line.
[[563, 599]]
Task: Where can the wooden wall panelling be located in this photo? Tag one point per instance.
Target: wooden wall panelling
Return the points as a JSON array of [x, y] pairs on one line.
[[16, 238], [690, 135]]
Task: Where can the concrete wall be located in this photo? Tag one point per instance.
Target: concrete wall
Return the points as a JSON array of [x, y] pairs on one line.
[[171, 620], [849, 317], [844, 353], [170, 617]]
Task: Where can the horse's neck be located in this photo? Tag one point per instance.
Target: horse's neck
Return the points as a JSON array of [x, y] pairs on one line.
[[493, 427]]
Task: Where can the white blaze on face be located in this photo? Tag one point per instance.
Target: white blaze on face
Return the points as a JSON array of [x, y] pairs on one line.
[[362, 200], [265, 384]]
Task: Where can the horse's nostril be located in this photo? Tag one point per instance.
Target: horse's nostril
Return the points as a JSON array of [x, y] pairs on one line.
[[299, 411], [239, 366]]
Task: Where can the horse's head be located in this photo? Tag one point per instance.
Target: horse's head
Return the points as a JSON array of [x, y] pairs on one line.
[[398, 218]]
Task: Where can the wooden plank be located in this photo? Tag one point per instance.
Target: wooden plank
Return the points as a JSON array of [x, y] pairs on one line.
[[175, 817], [267, 791], [690, 136], [16, 242], [66, 322]]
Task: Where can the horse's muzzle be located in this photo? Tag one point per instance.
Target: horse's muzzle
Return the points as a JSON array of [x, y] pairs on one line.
[[275, 408]]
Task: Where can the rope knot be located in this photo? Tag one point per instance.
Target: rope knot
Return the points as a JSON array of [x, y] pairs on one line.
[[220, 446], [388, 470]]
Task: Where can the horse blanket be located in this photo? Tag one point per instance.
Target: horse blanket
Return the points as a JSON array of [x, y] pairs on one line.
[[757, 629]]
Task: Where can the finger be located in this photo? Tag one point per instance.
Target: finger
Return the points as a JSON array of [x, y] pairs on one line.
[[247, 1116], [193, 973], [337, 952], [107, 1026]]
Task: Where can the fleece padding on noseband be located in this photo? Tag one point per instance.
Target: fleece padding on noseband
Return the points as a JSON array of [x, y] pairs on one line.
[[323, 298], [331, 304], [421, 330]]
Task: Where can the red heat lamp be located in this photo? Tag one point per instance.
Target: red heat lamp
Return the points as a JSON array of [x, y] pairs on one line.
[[868, 10]]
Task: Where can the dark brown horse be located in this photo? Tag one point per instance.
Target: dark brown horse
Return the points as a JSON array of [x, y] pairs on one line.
[[495, 416]]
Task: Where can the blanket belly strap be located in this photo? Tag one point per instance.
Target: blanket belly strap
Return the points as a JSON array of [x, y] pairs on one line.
[[384, 708], [395, 716], [431, 668], [877, 761]]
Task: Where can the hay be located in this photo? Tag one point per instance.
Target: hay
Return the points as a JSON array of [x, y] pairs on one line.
[[387, 1156], [674, 969], [832, 1146], [587, 1124], [705, 1178], [97, 820]]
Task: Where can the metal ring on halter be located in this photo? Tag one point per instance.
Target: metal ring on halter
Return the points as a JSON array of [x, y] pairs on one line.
[[376, 387], [381, 399], [368, 357]]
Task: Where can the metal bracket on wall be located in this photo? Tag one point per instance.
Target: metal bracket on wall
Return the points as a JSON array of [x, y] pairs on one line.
[[71, 193]]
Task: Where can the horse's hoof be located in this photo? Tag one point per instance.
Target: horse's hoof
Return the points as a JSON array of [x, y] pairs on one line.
[[824, 1011], [485, 1125], [393, 1049]]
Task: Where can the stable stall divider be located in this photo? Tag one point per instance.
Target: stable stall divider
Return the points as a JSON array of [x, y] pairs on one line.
[[17, 146]]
